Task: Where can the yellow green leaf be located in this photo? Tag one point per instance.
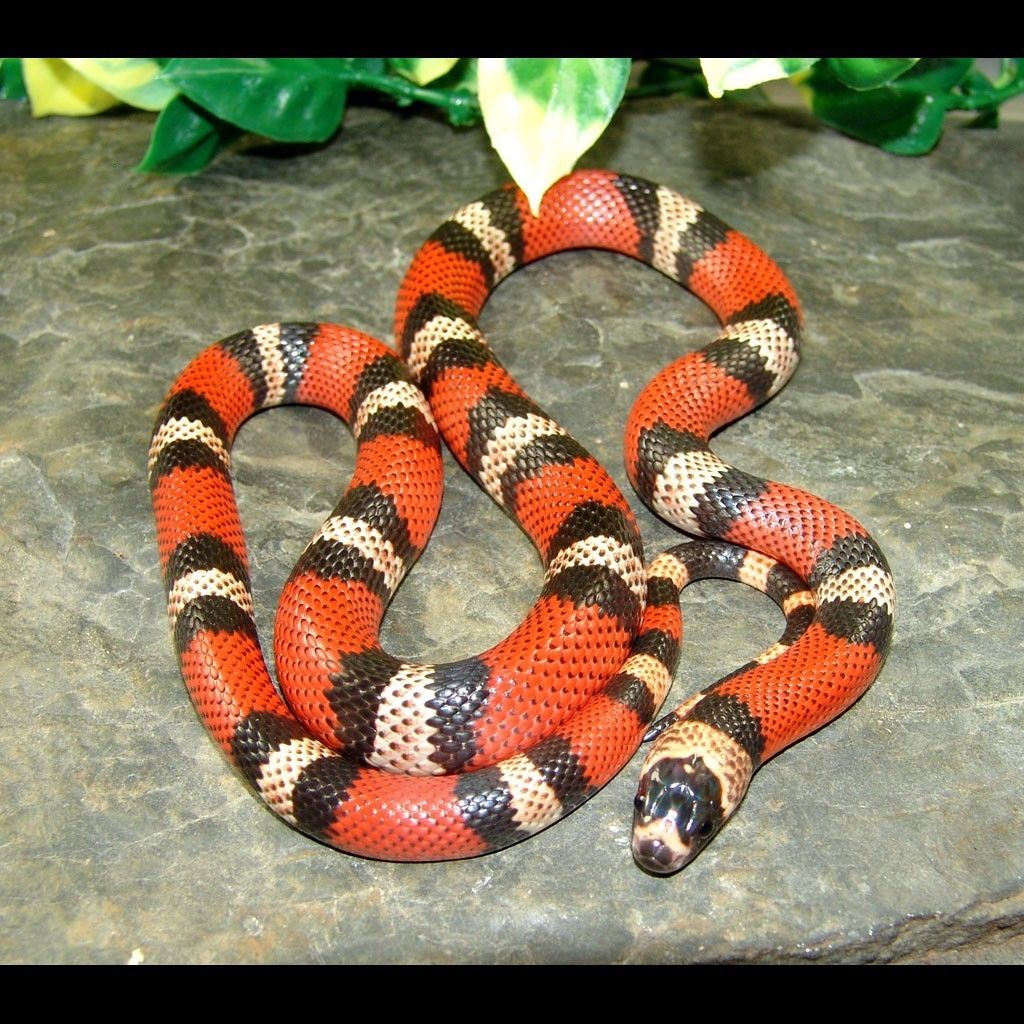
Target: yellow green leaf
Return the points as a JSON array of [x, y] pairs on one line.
[[725, 74], [542, 114], [422, 70], [54, 87], [132, 80]]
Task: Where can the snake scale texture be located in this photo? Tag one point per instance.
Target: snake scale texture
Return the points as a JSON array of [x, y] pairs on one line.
[[397, 760]]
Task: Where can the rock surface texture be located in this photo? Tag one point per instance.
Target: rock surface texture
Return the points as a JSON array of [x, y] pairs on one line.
[[895, 834]]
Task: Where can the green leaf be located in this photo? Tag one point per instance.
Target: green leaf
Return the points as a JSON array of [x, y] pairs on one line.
[[133, 80], [923, 131], [869, 72], [289, 99], [976, 92], [684, 63], [1010, 70], [896, 117], [12, 85], [976, 84], [54, 87], [986, 119], [727, 73], [458, 91], [542, 114], [753, 97], [934, 75], [675, 75], [461, 76], [422, 70], [185, 139]]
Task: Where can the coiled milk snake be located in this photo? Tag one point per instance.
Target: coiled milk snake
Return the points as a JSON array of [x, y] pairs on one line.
[[405, 761]]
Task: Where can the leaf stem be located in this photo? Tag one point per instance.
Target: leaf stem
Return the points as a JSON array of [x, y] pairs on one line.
[[982, 101], [458, 101], [1007, 71]]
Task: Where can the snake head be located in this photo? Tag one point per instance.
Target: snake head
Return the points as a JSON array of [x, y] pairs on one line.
[[678, 809]]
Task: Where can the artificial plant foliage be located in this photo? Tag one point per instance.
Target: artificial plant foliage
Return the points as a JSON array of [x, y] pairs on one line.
[[284, 99], [186, 138], [542, 114], [12, 83], [726, 74], [671, 75], [906, 114], [55, 87], [422, 70], [868, 72], [137, 81]]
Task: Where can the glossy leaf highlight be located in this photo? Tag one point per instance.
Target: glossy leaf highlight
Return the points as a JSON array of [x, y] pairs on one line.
[[542, 114], [289, 99], [186, 138]]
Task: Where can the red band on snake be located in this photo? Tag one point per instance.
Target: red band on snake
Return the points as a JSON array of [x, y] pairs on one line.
[[406, 761]]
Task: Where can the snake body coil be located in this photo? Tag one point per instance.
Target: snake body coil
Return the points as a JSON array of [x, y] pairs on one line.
[[406, 761]]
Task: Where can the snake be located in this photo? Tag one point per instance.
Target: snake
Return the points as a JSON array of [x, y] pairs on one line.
[[394, 759]]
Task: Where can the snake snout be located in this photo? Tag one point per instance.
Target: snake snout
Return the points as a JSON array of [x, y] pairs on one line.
[[678, 810], [655, 856]]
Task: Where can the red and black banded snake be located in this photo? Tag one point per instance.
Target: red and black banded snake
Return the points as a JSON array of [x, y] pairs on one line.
[[398, 760]]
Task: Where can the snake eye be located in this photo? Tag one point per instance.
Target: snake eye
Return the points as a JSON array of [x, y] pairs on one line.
[[705, 829], [640, 800]]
